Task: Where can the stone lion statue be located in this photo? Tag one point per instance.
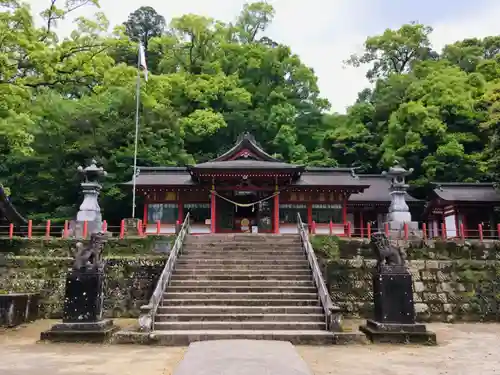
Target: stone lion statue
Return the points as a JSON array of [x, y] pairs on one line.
[[386, 253], [89, 257]]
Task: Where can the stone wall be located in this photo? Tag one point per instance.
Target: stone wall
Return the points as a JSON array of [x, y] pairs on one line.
[[452, 282], [130, 281]]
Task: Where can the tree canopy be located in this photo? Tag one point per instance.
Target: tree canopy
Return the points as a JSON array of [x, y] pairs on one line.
[[66, 101]]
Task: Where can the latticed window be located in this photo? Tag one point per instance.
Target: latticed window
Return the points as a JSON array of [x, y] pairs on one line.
[[289, 211], [324, 213], [198, 212], [166, 213]]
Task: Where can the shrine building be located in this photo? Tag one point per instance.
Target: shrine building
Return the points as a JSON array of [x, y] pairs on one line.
[[247, 190], [470, 206]]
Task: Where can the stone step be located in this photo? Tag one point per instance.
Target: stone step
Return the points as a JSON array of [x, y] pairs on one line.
[[240, 237], [212, 310], [241, 283], [243, 255], [240, 289], [224, 261], [184, 338], [239, 296], [213, 274], [242, 247], [240, 317], [189, 301], [254, 267], [259, 325], [216, 253]]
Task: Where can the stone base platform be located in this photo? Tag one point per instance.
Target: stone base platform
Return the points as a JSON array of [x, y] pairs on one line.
[[385, 333], [184, 338], [99, 332]]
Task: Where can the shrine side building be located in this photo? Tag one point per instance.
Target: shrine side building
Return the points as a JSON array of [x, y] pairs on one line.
[[248, 190]]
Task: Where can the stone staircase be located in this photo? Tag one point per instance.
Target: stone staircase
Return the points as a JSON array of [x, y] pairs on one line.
[[241, 286]]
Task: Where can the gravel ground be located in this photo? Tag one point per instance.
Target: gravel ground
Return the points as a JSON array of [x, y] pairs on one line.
[[472, 349]]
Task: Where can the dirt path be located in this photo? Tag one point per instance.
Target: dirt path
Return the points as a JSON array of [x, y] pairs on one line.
[[463, 349]]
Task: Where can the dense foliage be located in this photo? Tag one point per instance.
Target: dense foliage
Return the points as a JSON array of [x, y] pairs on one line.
[[63, 102]]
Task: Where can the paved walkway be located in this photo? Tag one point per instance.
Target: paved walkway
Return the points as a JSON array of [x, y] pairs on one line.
[[464, 349]]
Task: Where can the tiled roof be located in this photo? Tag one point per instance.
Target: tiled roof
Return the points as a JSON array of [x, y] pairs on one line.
[[173, 176], [466, 192], [246, 141], [329, 177], [378, 190], [245, 164]]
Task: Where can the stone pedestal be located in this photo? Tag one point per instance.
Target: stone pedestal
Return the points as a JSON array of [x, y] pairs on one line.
[[83, 307], [394, 309]]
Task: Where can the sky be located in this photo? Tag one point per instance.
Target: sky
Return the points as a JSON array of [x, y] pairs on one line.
[[326, 32]]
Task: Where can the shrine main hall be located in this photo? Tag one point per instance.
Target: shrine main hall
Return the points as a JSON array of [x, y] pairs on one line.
[[248, 190]]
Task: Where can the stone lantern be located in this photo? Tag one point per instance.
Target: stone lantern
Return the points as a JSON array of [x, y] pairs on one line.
[[90, 211], [399, 213]]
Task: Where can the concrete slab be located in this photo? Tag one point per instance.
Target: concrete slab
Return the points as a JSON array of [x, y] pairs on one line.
[[242, 357]]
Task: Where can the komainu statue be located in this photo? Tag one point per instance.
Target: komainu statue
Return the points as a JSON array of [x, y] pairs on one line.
[[386, 253], [88, 258]]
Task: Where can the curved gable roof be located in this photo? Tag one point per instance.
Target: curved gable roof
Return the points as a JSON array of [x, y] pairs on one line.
[[246, 141]]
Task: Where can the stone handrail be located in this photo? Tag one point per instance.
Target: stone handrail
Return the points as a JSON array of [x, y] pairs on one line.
[[332, 312], [148, 312]]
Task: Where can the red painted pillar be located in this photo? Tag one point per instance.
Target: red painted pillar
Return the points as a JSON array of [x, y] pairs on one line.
[[462, 232], [368, 230], [405, 226], [213, 211], [11, 230], [331, 227], [309, 216], [498, 230], [30, 228], [145, 214], [344, 211], [361, 224], [386, 228], [276, 212], [158, 227], [480, 228]]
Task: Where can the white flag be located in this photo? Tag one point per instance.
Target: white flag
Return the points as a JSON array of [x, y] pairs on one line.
[[142, 61]]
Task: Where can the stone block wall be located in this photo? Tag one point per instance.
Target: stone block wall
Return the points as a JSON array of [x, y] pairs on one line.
[[130, 281], [452, 282]]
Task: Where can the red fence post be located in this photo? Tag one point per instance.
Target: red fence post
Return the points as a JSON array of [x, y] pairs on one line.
[[122, 229], [405, 229], [462, 232], [313, 227], [158, 227], [349, 229], [104, 226], [47, 229], [424, 230], [139, 227], [443, 231], [498, 231], [368, 230], [65, 230], [480, 228], [30, 228], [386, 229], [11, 230], [85, 228]]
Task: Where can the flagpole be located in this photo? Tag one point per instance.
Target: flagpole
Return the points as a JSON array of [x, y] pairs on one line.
[[137, 96]]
